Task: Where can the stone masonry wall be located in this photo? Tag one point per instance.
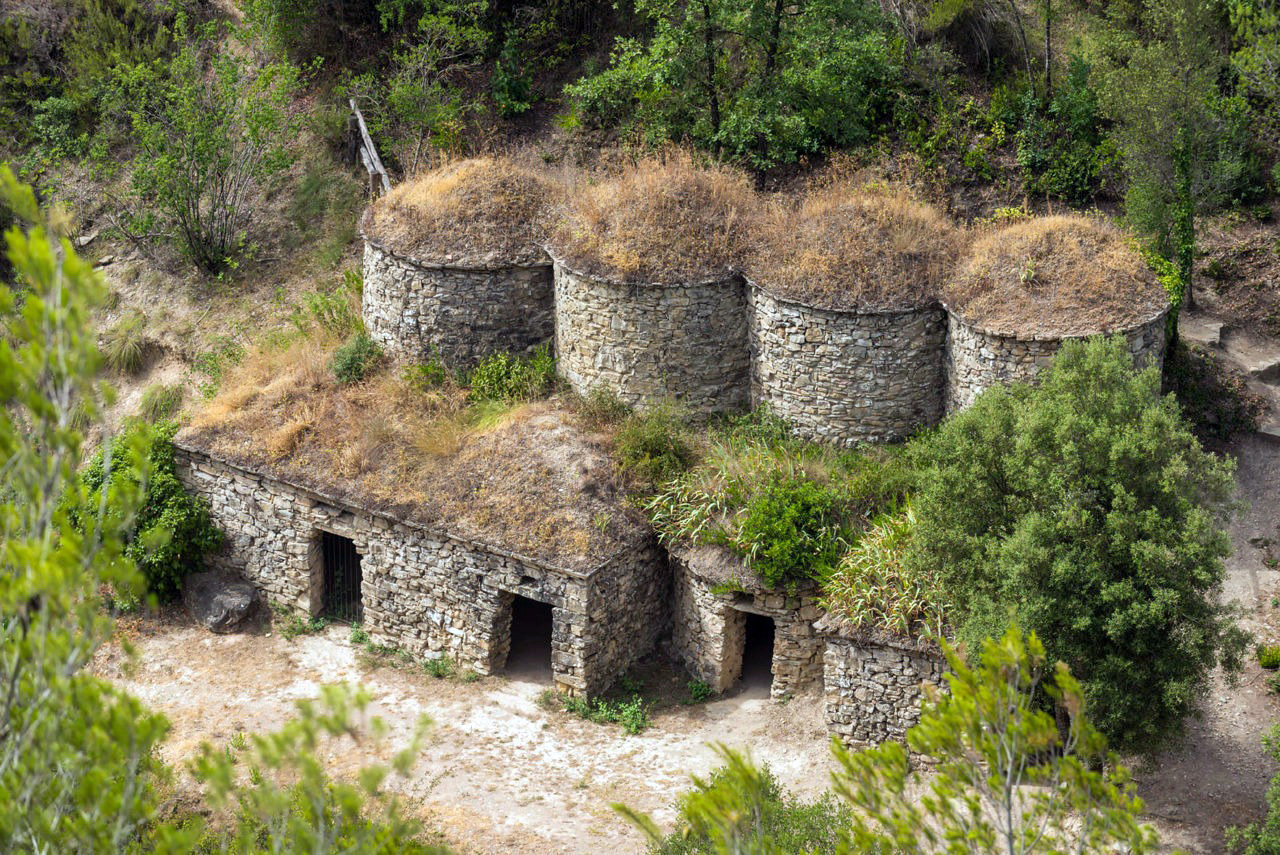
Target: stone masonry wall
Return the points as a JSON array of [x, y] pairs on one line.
[[708, 633], [645, 343], [847, 377], [427, 592], [978, 359], [417, 311], [873, 687]]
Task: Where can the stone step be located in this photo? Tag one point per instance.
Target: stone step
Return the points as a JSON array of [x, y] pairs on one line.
[[1204, 330], [1258, 357]]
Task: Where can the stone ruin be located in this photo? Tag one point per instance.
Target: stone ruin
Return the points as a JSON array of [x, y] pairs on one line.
[[840, 375]]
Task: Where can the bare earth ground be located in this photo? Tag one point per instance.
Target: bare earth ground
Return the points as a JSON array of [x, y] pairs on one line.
[[499, 773], [503, 775]]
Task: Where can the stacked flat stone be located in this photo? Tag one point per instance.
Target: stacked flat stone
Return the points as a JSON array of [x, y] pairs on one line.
[[847, 376], [874, 683], [649, 342], [416, 310], [427, 591]]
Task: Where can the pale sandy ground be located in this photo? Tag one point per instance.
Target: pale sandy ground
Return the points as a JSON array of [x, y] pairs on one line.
[[502, 775]]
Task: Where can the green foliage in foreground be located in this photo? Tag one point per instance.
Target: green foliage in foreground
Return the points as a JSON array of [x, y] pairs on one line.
[[78, 768], [1003, 778], [511, 378], [1086, 508], [169, 535]]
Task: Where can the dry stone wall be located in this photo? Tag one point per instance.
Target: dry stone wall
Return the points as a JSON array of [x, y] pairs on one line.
[[417, 311], [427, 592], [978, 359], [847, 377], [646, 343], [874, 685], [708, 632]]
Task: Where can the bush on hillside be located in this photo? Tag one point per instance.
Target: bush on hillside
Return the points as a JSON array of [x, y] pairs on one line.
[[172, 531], [357, 356], [511, 378], [653, 445], [792, 531], [1087, 509]]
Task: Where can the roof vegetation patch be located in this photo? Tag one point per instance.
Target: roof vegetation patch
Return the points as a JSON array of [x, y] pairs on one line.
[[519, 476], [1055, 276], [481, 212], [845, 248], [659, 221]]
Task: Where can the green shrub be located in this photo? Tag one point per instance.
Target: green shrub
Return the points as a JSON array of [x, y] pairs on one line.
[[1086, 509], [440, 667], [159, 402], [632, 714], [511, 379], [353, 361], [172, 531], [789, 824], [336, 311], [511, 87], [426, 376], [699, 691], [601, 407], [654, 445], [792, 531], [124, 346], [1269, 656]]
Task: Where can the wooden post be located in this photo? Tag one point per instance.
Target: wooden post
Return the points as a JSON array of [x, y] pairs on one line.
[[368, 153]]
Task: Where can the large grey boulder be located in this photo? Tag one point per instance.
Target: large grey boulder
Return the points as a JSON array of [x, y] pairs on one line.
[[218, 601]]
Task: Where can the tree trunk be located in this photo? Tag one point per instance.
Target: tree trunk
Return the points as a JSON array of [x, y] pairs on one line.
[[709, 58]]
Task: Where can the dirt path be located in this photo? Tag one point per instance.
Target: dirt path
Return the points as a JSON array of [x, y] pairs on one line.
[[499, 773], [1219, 776]]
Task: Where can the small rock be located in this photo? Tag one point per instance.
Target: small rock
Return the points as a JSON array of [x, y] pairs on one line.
[[105, 260], [219, 602], [86, 239]]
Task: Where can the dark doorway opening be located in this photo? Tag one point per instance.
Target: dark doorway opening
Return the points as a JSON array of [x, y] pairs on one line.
[[341, 578], [530, 654], [757, 655]]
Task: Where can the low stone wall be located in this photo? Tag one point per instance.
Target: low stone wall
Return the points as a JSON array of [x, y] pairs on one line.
[[428, 592], [874, 685], [978, 359], [646, 343], [708, 631], [417, 311], [847, 377]]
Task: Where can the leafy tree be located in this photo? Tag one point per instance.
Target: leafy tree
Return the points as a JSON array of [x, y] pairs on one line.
[[1086, 507], [1255, 58], [1003, 776], [77, 763], [1185, 143], [765, 82], [75, 753], [171, 532], [210, 125]]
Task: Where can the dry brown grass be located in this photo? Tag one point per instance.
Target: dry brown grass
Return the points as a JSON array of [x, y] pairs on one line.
[[845, 247], [1059, 275], [525, 479], [481, 212], [662, 221]]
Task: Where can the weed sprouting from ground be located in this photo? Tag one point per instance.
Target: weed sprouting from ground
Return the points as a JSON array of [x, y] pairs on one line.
[[632, 714]]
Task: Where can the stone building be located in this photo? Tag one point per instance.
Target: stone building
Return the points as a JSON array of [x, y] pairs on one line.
[[873, 683], [424, 589], [684, 342], [847, 376], [454, 267], [729, 628], [1023, 290], [847, 336], [417, 311]]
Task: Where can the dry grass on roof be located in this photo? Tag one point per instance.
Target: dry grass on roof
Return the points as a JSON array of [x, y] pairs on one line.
[[845, 247], [525, 479], [1055, 276], [662, 221], [482, 212]]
